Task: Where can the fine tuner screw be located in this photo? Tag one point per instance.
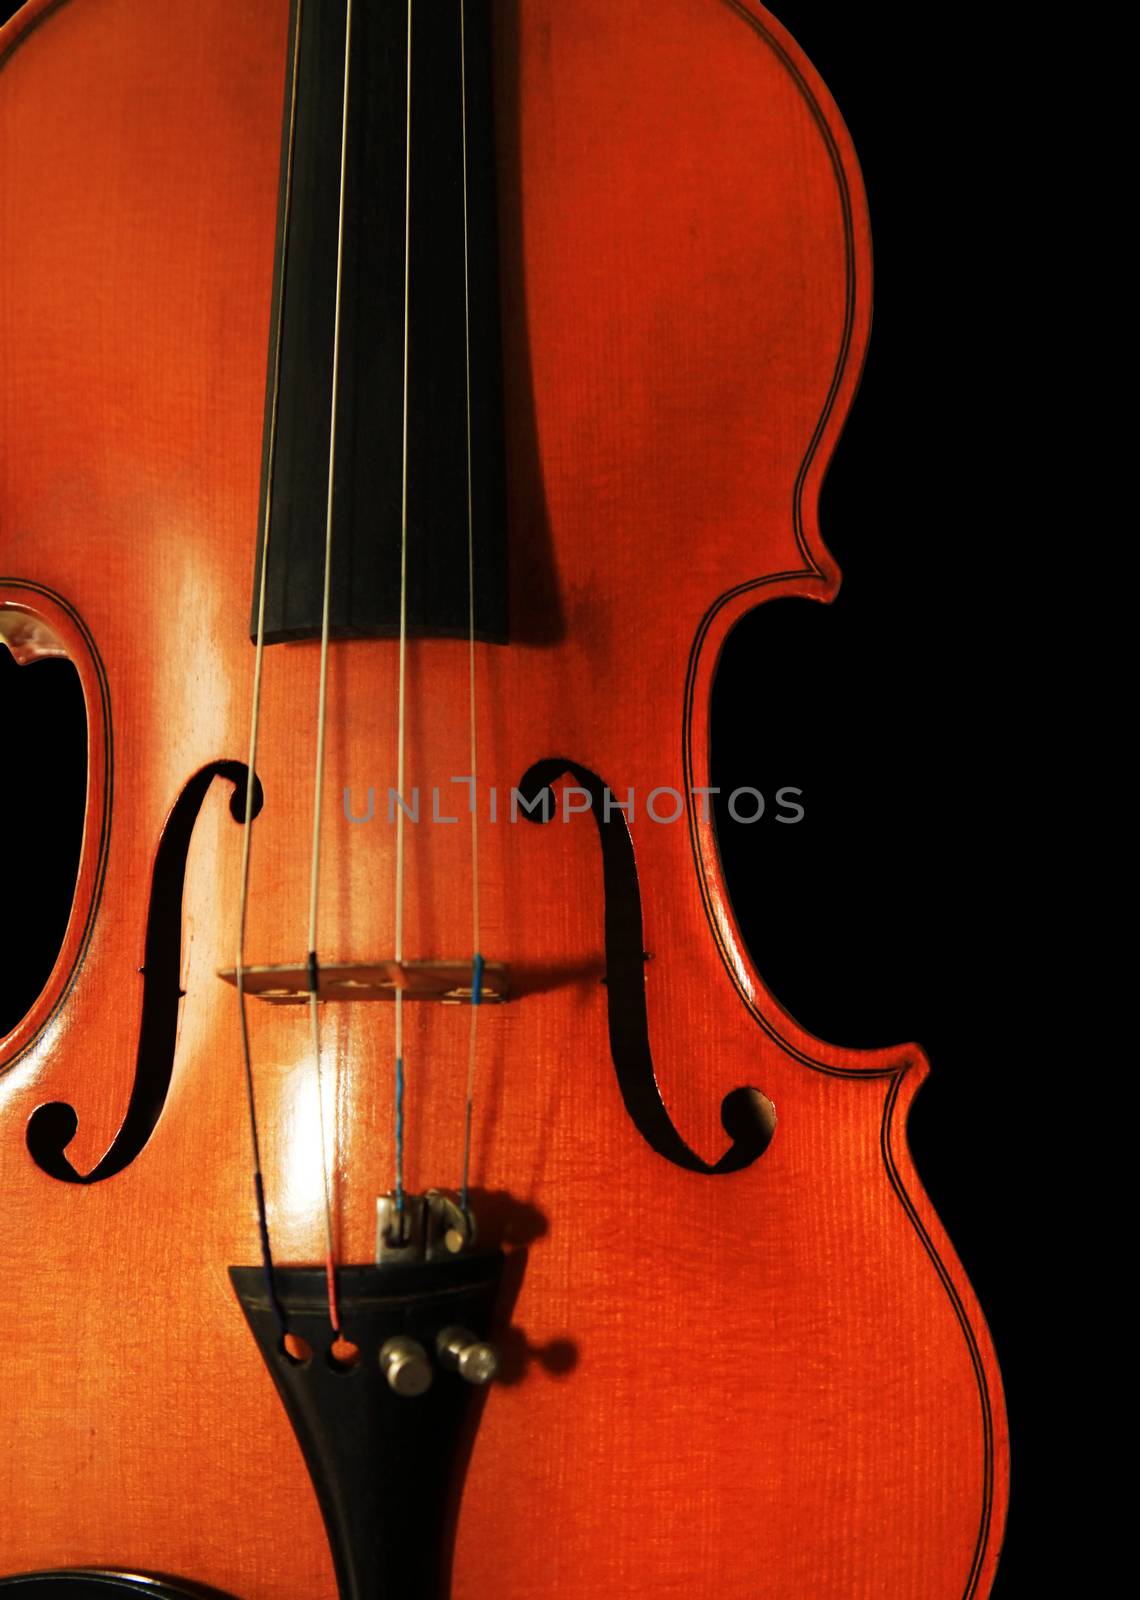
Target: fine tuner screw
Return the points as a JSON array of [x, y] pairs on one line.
[[460, 1351], [404, 1362]]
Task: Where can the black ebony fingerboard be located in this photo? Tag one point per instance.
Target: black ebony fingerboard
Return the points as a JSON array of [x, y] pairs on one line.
[[369, 465]]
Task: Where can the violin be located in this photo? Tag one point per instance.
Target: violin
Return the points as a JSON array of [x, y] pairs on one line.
[[411, 1185]]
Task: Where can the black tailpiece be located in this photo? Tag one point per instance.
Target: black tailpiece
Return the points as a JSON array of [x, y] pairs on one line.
[[388, 1467]]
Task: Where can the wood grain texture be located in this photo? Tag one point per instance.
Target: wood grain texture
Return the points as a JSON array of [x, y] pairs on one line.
[[781, 1382]]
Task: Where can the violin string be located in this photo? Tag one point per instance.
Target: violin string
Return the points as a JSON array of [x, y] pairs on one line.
[[476, 957], [327, 1161], [402, 692], [254, 726]]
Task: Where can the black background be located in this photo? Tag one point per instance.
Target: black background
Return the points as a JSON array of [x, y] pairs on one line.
[[897, 909], [893, 911]]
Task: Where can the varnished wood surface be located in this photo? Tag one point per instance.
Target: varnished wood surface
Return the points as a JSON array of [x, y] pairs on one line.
[[781, 1383]]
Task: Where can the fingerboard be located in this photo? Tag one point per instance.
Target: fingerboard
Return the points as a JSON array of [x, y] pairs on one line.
[[445, 305]]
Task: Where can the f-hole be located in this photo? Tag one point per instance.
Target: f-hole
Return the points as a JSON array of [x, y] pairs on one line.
[[745, 1114], [52, 1127]]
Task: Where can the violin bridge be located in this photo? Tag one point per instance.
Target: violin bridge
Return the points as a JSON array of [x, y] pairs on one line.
[[447, 981]]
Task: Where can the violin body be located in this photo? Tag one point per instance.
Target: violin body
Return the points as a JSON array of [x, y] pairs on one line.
[[768, 1381]]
